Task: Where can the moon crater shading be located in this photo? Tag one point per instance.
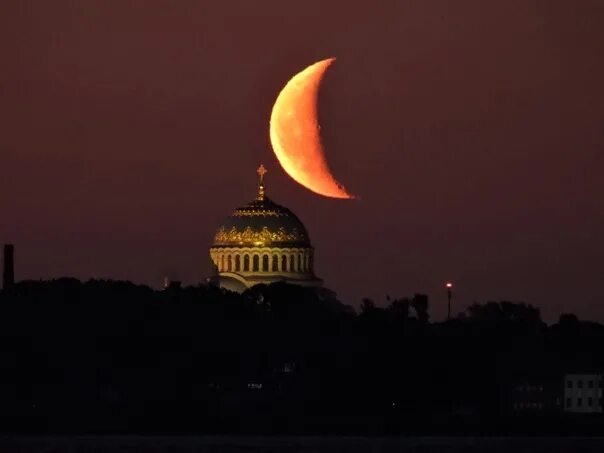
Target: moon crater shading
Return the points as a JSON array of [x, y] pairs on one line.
[[294, 133]]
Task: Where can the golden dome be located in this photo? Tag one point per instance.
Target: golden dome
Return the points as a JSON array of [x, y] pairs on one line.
[[262, 242], [260, 223]]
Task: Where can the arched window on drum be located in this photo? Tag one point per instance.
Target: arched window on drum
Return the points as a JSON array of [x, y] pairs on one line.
[[264, 263], [256, 267], [283, 263]]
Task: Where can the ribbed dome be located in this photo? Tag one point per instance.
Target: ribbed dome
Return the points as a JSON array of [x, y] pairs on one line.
[[262, 223]]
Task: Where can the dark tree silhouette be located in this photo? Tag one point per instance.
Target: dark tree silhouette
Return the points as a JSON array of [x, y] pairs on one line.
[[111, 356], [420, 305]]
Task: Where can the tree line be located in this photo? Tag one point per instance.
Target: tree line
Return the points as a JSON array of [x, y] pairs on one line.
[[112, 356]]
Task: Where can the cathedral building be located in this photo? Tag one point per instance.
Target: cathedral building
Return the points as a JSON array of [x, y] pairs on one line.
[[262, 242]]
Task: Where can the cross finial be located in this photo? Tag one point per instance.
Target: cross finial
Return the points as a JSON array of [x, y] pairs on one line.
[[261, 172]]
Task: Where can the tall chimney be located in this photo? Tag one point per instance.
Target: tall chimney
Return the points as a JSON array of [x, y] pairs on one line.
[[8, 278]]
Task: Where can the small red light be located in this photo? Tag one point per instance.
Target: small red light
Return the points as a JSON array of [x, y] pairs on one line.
[[449, 285]]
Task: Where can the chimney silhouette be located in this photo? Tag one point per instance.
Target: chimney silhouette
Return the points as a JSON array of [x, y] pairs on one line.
[[8, 278]]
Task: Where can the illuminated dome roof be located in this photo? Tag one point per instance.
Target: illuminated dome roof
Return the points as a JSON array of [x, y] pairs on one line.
[[262, 243], [261, 223]]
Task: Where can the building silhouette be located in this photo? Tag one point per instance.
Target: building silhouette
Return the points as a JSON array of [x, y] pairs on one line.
[[583, 393]]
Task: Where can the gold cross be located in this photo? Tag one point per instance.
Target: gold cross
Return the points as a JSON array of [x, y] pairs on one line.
[[261, 172]]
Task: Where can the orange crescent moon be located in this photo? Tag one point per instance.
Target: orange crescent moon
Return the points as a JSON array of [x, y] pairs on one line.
[[294, 133]]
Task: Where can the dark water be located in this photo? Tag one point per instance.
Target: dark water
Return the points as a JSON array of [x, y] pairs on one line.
[[127, 444]]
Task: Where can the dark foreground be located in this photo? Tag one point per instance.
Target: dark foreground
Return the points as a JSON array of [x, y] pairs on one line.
[[104, 357], [151, 444]]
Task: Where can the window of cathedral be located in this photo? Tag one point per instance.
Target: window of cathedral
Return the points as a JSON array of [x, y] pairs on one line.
[[283, 263], [229, 263], [222, 267], [300, 264], [275, 263], [246, 263], [237, 263], [292, 263], [256, 263], [265, 263]]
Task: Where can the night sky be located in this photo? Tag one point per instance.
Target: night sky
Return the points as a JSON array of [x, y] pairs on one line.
[[472, 131]]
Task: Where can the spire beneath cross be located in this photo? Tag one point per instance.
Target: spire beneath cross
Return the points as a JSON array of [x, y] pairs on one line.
[[261, 172]]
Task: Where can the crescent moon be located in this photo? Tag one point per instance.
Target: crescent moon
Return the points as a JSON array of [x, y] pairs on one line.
[[294, 133]]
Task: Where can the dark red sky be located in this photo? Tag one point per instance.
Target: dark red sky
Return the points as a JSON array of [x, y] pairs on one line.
[[472, 130]]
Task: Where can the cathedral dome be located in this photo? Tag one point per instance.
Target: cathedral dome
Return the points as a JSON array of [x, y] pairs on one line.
[[262, 242], [262, 223]]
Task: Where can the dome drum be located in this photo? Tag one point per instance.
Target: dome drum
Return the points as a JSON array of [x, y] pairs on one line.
[[264, 260]]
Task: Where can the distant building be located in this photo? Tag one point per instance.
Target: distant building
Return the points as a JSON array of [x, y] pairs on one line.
[[583, 393], [262, 242], [532, 395], [8, 276]]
